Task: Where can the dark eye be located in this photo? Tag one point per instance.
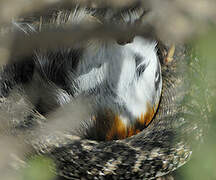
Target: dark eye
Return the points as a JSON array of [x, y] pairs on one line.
[[140, 64]]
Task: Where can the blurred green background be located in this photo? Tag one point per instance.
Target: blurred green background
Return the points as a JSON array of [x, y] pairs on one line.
[[38, 168], [203, 162]]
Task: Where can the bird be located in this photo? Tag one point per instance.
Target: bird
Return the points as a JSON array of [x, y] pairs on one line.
[[123, 81], [132, 128]]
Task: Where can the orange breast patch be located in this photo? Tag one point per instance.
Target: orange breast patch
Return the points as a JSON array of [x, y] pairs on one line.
[[146, 118], [119, 130]]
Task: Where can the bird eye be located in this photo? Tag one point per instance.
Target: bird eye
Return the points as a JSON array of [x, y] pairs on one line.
[[140, 69], [140, 64], [138, 59]]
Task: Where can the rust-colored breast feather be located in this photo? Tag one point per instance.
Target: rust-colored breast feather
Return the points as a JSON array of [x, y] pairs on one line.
[[111, 126]]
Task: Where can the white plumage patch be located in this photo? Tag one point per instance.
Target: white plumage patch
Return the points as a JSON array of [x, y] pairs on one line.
[[116, 77], [142, 89]]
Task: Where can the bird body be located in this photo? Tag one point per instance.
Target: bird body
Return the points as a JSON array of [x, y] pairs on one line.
[[123, 80]]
